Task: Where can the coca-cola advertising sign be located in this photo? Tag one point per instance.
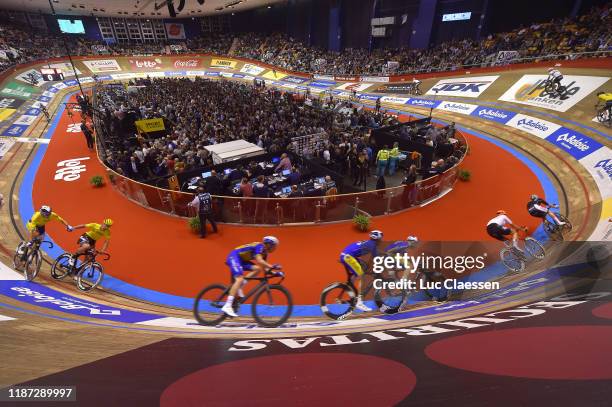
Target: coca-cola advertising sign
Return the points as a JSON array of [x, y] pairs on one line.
[[187, 63], [146, 63]]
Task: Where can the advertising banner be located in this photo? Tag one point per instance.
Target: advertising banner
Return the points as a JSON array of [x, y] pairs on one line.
[[187, 63], [25, 119], [272, 74], [533, 125], [399, 88], [223, 63], [346, 78], [145, 63], [14, 89], [462, 108], [503, 57], [31, 73], [599, 165], [394, 100], [530, 90], [427, 103], [102, 65], [11, 103], [352, 86], [252, 69], [150, 125], [5, 145], [322, 84], [294, 79], [65, 67], [6, 113], [15, 130], [496, 115], [575, 144], [378, 79], [471, 87], [175, 31], [323, 77]]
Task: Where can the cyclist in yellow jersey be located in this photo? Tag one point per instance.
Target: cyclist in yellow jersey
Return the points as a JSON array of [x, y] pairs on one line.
[[95, 232], [36, 224]]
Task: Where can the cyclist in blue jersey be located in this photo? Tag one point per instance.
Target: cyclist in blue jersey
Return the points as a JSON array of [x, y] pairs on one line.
[[401, 246], [350, 259], [250, 257]]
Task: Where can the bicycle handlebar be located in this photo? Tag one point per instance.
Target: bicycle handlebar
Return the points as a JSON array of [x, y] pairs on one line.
[[47, 242]]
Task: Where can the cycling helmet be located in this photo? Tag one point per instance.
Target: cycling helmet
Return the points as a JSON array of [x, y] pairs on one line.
[[551, 69], [376, 235], [501, 212], [271, 240], [45, 210], [412, 241], [108, 222], [534, 197]]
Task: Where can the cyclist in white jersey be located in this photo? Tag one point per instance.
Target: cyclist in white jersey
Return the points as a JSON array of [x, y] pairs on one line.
[[501, 226], [554, 76]]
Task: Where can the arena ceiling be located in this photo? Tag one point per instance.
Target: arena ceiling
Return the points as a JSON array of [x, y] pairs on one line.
[[134, 8]]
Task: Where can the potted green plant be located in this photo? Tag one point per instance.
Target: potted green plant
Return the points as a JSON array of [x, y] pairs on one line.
[[464, 175], [194, 224], [97, 181], [362, 222]]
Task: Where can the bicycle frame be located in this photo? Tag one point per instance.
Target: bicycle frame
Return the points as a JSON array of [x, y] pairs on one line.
[[263, 282]]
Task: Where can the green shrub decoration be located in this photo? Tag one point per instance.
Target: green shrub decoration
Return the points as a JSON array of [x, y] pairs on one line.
[[362, 222], [97, 181]]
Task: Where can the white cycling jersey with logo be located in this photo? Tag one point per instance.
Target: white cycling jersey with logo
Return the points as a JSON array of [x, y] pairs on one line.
[[501, 220]]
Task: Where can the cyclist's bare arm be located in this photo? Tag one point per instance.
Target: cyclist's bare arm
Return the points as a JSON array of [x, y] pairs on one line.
[[261, 262]]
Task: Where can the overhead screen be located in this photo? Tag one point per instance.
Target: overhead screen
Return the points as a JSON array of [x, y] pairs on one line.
[[457, 16], [71, 26]]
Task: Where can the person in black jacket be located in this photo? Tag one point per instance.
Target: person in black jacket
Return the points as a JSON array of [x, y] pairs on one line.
[[203, 204], [88, 134]]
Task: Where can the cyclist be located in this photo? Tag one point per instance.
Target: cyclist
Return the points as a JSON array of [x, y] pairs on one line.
[[539, 208], [416, 85], [501, 226], [350, 260], [554, 75], [241, 259], [36, 224], [606, 100], [401, 246], [87, 241]]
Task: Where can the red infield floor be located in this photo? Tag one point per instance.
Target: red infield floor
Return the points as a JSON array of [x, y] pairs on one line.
[[159, 252]]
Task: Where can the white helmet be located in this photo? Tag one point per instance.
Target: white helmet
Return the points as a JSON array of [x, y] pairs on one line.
[[412, 241], [45, 210], [376, 235], [271, 240], [551, 69]]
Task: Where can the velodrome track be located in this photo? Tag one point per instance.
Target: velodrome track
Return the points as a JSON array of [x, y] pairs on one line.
[[524, 164]]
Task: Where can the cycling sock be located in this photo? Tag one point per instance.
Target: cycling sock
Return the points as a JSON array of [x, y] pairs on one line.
[[230, 300]]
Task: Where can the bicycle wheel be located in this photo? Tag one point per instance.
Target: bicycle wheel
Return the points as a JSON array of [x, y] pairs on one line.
[[18, 262], [90, 275], [208, 304], [435, 294], [602, 116], [534, 248], [32, 265], [272, 306], [568, 225], [511, 260], [338, 300], [61, 266], [549, 227], [390, 300]]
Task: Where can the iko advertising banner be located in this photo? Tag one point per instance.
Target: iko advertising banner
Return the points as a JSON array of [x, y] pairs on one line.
[[175, 31], [529, 90], [145, 63], [102, 65], [252, 69], [471, 87]]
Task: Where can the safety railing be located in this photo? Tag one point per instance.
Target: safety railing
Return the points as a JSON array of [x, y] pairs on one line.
[[281, 211]]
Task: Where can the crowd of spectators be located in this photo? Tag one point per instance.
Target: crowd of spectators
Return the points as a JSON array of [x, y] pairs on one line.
[[201, 112], [586, 33]]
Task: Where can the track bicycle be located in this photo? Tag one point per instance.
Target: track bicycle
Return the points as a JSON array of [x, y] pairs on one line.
[[554, 88], [338, 300], [88, 274], [553, 229], [414, 89], [515, 260], [28, 259], [603, 114], [271, 306]]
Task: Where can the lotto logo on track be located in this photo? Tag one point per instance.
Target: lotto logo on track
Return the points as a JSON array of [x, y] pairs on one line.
[[70, 170]]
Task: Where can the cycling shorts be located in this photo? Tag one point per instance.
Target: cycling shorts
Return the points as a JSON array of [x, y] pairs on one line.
[[351, 264], [537, 212], [84, 239], [498, 232], [237, 266]]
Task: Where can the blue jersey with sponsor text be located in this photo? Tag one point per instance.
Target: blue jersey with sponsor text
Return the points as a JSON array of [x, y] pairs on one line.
[[362, 248]]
